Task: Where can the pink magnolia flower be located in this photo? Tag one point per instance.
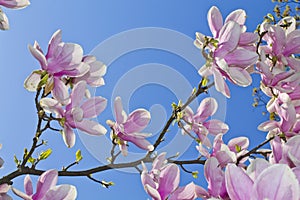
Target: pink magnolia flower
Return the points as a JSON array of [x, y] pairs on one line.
[[230, 50], [282, 44], [76, 115], [3, 190], [127, 128], [226, 153], [46, 188], [14, 3], [62, 59], [242, 186], [200, 125], [162, 181]]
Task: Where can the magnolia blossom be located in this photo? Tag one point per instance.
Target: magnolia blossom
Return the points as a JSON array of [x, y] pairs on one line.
[[14, 3], [62, 59], [230, 50], [226, 153], [162, 181], [75, 114], [46, 188], [127, 128], [200, 125], [255, 183], [4, 25]]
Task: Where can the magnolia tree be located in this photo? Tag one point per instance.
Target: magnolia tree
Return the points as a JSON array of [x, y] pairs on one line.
[[232, 170]]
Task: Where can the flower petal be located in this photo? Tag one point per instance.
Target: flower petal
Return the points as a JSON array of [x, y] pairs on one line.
[[215, 20], [184, 193], [120, 114], [61, 192], [45, 182], [78, 93], [169, 180], [32, 81], [215, 126], [28, 185], [152, 192], [60, 91], [238, 16], [137, 121], [93, 107], [91, 127], [68, 136]]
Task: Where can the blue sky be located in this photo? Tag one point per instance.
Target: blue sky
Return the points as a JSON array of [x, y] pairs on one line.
[[143, 35]]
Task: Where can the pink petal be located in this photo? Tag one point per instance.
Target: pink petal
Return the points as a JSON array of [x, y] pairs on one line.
[[14, 4], [169, 180], [46, 181], [215, 20], [256, 167], [120, 114], [78, 93], [77, 70], [61, 192], [228, 39], [268, 126], [207, 108], [184, 193], [4, 23], [91, 127], [147, 180], [215, 126], [241, 142], [201, 192], [138, 139], [39, 56], [220, 84], [159, 161], [52, 106], [137, 121], [28, 185], [284, 184], [278, 37], [238, 16], [241, 58], [247, 38], [93, 107], [214, 176], [4, 188], [18, 193], [292, 44], [60, 91], [69, 136], [32, 81], [53, 43], [152, 192], [238, 183]]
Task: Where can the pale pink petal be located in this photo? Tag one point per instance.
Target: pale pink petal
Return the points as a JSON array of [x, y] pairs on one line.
[[220, 84], [138, 139], [268, 126], [238, 183], [238, 16], [77, 70], [184, 193], [228, 39], [32, 81], [278, 37], [169, 180], [15, 4], [39, 56], [241, 57], [159, 161], [214, 176], [256, 167], [61, 192], [276, 146], [284, 184], [152, 192], [137, 121], [68, 136], [91, 127], [296, 171], [45, 182], [215, 126], [239, 76], [51, 106], [201, 192], [248, 38], [292, 44], [28, 185], [4, 23], [215, 20], [207, 108], [291, 151], [78, 93], [60, 91], [120, 114], [4, 188], [53, 43], [93, 107], [19, 194], [147, 180], [240, 142]]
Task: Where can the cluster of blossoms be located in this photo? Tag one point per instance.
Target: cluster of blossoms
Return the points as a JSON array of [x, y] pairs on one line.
[[14, 4]]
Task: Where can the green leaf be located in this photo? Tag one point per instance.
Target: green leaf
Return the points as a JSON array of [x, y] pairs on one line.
[[16, 160], [78, 155], [31, 160], [195, 174], [45, 154], [43, 81]]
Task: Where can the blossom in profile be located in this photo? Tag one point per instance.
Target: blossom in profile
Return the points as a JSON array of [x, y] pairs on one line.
[[46, 188], [200, 125], [77, 114], [162, 181], [128, 128], [229, 52]]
